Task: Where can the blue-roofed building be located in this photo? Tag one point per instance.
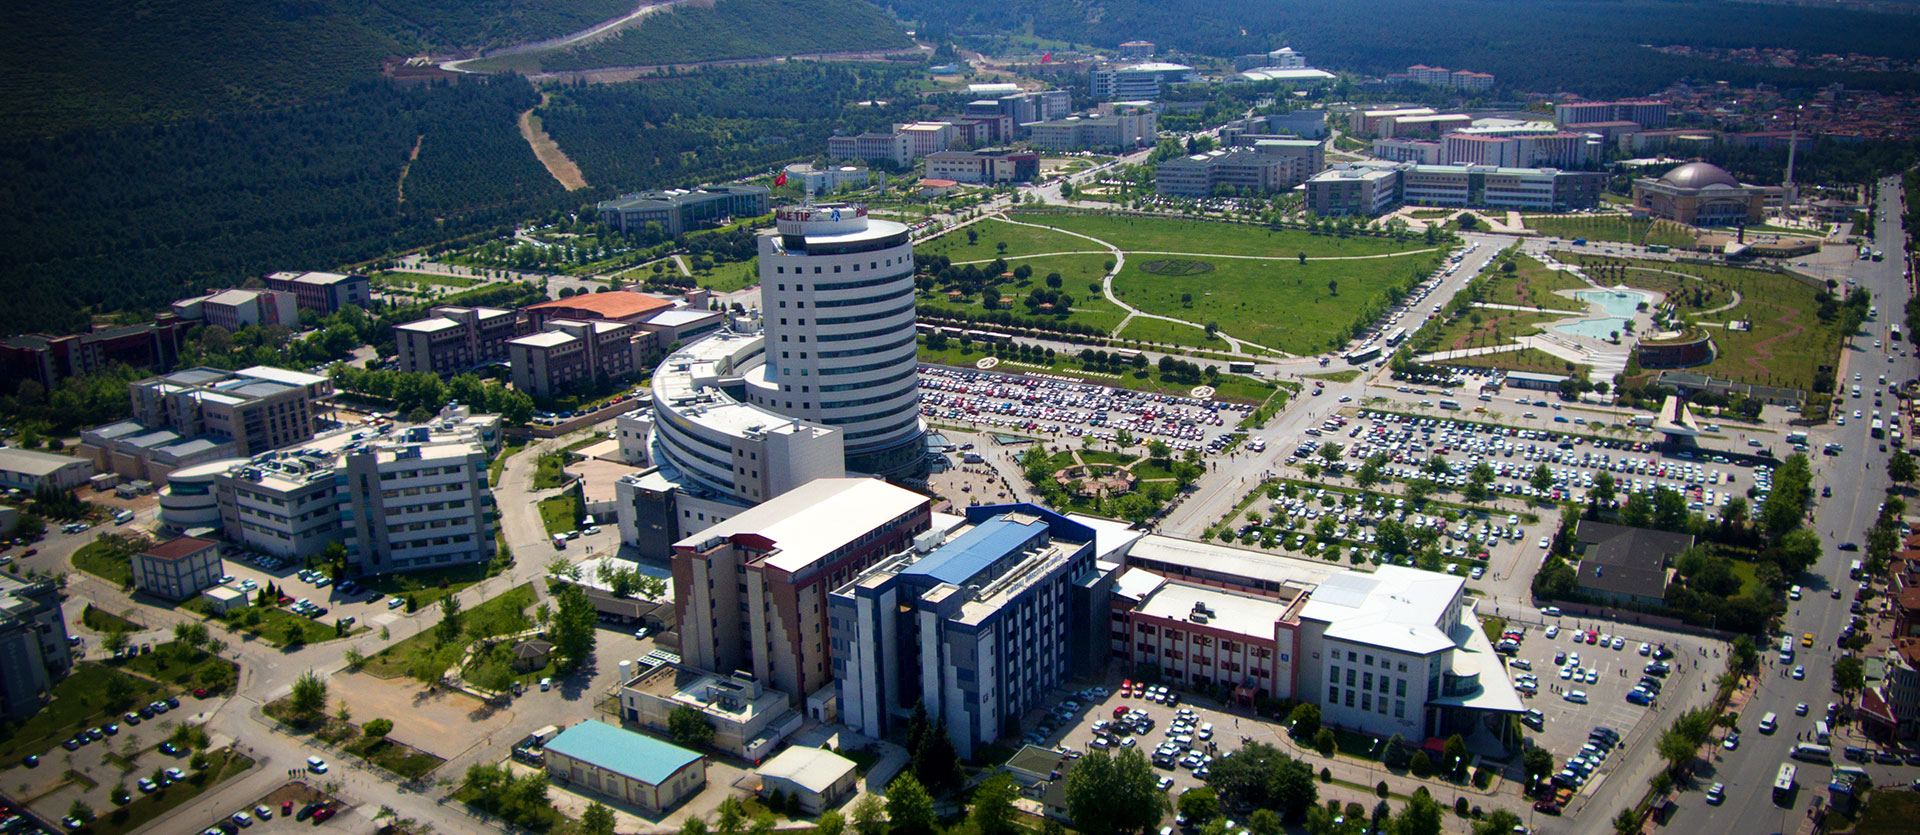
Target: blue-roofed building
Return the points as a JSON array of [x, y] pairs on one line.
[[633, 768], [979, 626]]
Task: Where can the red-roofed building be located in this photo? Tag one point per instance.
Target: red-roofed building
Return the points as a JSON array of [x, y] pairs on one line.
[[617, 306], [178, 568], [1906, 612]]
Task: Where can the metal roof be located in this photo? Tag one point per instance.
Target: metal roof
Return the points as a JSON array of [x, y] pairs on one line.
[[972, 552], [624, 752]]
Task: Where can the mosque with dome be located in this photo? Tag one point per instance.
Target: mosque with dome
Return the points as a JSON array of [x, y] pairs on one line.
[[1700, 194]]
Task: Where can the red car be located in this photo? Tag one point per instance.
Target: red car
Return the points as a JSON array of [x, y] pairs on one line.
[[321, 814], [199, 692], [286, 809]]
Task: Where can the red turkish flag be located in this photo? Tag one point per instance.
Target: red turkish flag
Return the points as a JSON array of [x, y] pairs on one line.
[[1047, 58], [780, 180]]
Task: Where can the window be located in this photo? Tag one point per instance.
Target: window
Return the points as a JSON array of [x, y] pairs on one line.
[[1349, 698], [1366, 701], [1350, 678], [1333, 695], [1399, 709], [1367, 682], [1400, 688]]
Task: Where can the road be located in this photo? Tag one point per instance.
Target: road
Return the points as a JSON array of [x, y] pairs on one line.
[[1859, 481]]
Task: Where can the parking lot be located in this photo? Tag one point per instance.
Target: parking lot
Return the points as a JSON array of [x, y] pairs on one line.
[[327, 601], [138, 742], [1075, 409], [1202, 736], [1607, 675]]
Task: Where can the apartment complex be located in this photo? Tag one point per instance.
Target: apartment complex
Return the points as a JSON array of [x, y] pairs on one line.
[[34, 654], [1368, 189], [1422, 151], [569, 354], [178, 568], [201, 414], [1443, 77], [1271, 165], [1130, 128], [987, 166], [1137, 82], [1519, 145], [829, 179], [236, 309], [402, 498], [453, 340], [754, 587], [979, 625], [48, 360], [1024, 108], [891, 147], [321, 292], [1645, 113], [682, 210]]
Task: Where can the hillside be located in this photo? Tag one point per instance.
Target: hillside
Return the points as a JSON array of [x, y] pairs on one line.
[[477, 25], [730, 29], [1585, 46]]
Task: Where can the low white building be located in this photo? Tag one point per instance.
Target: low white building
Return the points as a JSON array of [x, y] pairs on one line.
[[818, 778], [27, 470]]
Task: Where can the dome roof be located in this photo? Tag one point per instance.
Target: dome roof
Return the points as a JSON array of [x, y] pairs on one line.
[[1699, 175]]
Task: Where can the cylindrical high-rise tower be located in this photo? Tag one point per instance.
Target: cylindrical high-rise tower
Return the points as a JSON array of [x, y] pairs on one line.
[[836, 291]]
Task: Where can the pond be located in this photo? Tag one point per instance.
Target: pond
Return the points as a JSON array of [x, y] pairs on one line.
[[1620, 306]]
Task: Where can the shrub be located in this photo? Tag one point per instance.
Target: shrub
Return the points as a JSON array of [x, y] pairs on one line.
[[1460, 807], [1381, 789], [1326, 775], [1421, 764]]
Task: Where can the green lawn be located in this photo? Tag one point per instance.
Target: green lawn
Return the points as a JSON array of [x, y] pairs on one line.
[[278, 626], [550, 471], [1525, 359], [101, 620], [1788, 341], [498, 616], [1482, 327], [400, 759], [221, 765], [1612, 228], [1347, 376], [90, 697], [1172, 235], [729, 277], [1688, 295], [990, 233], [103, 559], [408, 279], [1089, 308], [1889, 812], [560, 513], [1282, 304], [1531, 284], [182, 666]]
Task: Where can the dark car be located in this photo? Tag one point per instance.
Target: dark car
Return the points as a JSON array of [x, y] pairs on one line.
[[306, 811], [173, 702], [1849, 546], [1886, 758], [286, 808], [1547, 807], [32, 761]]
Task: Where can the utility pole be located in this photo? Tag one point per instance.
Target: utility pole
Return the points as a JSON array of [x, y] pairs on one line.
[[1789, 198]]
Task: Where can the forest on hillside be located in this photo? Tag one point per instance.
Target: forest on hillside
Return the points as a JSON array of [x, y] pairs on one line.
[[1585, 46], [730, 29], [723, 123], [131, 218]]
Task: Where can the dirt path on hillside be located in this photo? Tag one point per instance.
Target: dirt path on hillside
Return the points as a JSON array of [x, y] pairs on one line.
[[614, 75], [548, 151], [400, 187]]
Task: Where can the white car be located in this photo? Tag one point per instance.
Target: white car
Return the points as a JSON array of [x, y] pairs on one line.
[[1553, 631], [1543, 543]]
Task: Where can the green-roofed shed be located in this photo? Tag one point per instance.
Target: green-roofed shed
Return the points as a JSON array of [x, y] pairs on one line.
[[634, 768]]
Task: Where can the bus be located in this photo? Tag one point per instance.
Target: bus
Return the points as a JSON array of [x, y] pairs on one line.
[[1362, 355], [1450, 405], [1399, 335], [1812, 752], [1783, 784]]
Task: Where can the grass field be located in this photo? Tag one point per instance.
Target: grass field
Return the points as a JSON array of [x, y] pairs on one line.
[[1493, 327], [1281, 304], [178, 664], [278, 626], [1788, 341], [1530, 285], [498, 616], [1089, 307], [1020, 240], [1168, 235], [560, 513], [731, 276], [102, 559], [549, 471], [397, 278], [427, 587], [91, 696], [1612, 228], [1889, 812], [1686, 294], [1525, 359]]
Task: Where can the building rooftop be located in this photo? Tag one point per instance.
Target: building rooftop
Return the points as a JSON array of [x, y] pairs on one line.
[[1626, 560], [973, 551], [618, 304], [793, 526], [1236, 612], [178, 548], [1395, 607], [1220, 562], [624, 752], [682, 316], [813, 769], [544, 339], [1155, 66], [29, 462], [1285, 74], [432, 325]]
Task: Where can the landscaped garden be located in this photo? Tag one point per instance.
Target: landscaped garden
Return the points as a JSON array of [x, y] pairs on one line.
[[1156, 234], [1614, 228], [428, 654], [1128, 486]]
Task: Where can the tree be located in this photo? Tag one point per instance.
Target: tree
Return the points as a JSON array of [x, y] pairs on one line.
[[1456, 754], [190, 633], [1542, 479], [1294, 791], [1113, 795], [1602, 492], [1305, 720], [993, 812], [377, 728], [1264, 822], [309, 694], [1325, 743], [1538, 762], [1900, 467], [1848, 676], [1394, 755], [1199, 805], [1421, 816], [115, 641], [573, 624], [869, 815], [1420, 764], [1626, 823], [909, 807], [830, 823], [1500, 822], [80, 811], [689, 728], [596, 820], [448, 630], [693, 825]]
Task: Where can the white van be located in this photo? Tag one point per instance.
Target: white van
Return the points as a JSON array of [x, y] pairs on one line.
[[1768, 723], [1822, 733]]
